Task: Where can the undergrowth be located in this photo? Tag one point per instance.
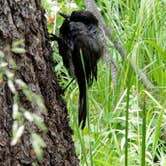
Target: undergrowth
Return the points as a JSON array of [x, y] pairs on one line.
[[126, 109]]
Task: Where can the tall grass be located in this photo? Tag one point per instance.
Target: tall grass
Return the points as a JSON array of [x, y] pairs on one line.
[[126, 111]]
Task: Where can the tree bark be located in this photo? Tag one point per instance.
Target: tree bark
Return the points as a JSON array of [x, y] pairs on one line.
[[24, 19]]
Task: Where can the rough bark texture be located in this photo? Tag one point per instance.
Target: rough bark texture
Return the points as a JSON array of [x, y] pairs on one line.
[[24, 19]]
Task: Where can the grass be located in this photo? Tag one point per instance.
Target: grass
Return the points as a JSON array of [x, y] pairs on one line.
[[127, 110]]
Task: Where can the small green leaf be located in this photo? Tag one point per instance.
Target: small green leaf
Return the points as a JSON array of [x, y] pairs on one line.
[[17, 135], [38, 145], [20, 83], [18, 50], [3, 64], [28, 116], [15, 111], [17, 43], [11, 86], [15, 127], [9, 74], [39, 122]]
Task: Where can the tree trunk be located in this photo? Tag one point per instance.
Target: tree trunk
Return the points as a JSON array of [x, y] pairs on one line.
[[24, 19]]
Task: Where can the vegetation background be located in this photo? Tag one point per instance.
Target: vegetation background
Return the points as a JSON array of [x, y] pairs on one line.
[[125, 110]]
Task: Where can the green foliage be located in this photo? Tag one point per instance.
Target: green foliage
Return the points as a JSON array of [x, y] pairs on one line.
[[141, 27], [38, 145], [20, 115]]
